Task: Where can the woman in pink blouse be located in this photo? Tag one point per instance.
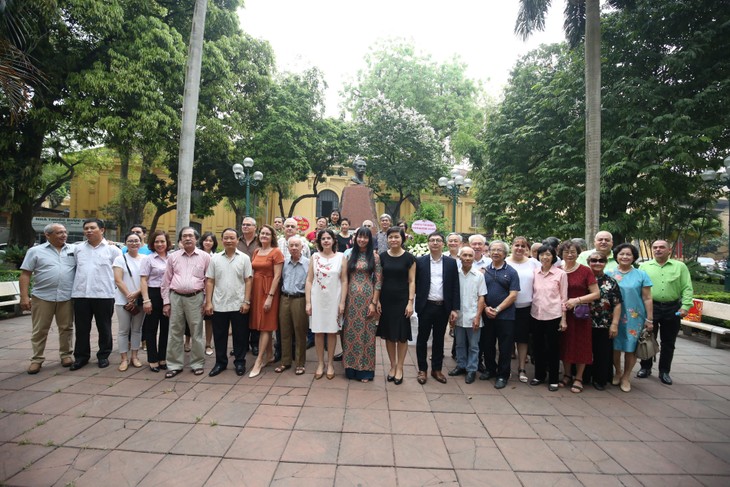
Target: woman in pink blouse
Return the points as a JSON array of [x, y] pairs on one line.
[[549, 293], [151, 271]]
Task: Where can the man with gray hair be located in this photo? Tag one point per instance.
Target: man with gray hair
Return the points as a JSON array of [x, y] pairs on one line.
[[290, 230], [54, 266], [479, 244], [381, 238]]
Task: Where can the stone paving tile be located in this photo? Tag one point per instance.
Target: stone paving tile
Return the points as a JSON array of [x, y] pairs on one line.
[[367, 399], [720, 450], [125, 467], [512, 426], [312, 447], [207, 440], [56, 382], [602, 428], [721, 391], [365, 449], [167, 389], [58, 403], [229, 414], [156, 437], [480, 478], [492, 404], [98, 406], [185, 411], [242, 473], [14, 424], [195, 470], [320, 419], [413, 423], [649, 429], [584, 457], [539, 459], [450, 403], [21, 380], [548, 479], [18, 400], [269, 444], [62, 466], [206, 392], [604, 480], [107, 434], [420, 451], [14, 458], [638, 464], [128, 388], [276, 417], [532, 405], [366, 421], [573, 406], [408, 401], [699, 429], [713, 480], [460, 424], [57, 431], [348, 475], [140, 408], [691, 458], [554, 428], [662, 409], [304, 475], [326, 398], [475, 453], [696, 409], [668, 481]]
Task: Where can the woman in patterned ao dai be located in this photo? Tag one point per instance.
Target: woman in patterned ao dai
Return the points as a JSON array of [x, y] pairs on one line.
[[326, 291], [364, 276]]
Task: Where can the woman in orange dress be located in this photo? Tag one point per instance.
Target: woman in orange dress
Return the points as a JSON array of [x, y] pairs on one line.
[[267, 263]]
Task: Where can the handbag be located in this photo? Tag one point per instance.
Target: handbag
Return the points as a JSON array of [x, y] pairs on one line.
[[648, 346], [136, 307], [582, 311]]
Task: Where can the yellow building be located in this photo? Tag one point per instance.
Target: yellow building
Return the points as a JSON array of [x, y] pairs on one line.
[[89, 195]]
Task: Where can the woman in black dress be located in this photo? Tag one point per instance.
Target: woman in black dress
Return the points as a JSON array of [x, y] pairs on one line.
[[396, 301]]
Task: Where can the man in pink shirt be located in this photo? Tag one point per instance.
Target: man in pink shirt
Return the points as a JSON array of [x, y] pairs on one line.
[[183, 295]]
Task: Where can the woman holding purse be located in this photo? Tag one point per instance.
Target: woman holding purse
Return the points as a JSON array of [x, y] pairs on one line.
[[126, 297]]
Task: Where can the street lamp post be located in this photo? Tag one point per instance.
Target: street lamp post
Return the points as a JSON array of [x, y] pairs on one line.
[[244, 177], [454, 187], [709, 175]]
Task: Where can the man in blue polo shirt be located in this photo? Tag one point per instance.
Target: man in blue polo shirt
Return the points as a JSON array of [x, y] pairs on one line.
[[503, 284]]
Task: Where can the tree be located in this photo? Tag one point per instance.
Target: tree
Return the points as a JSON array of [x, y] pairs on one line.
[[402, 150]]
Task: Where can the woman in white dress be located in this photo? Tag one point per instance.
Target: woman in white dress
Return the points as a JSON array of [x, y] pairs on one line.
[[326, 291]]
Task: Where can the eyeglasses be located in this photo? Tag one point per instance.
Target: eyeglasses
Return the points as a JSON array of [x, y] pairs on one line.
[[597, 261]]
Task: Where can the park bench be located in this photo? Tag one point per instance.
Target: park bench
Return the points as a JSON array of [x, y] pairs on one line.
[[713, 310], [10, 289]]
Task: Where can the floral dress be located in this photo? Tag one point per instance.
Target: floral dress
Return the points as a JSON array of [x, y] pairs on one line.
[[602, 308], [633, 311], [358, 330]]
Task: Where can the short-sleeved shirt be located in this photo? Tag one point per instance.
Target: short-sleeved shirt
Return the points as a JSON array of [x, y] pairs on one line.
[[94, 274], [284, 246], [526, 271], [500, 282], [471, 286], [249, 248], [294, 275], [153, 268], [131, 281], [185, 273], [602, 308], [549, 293], [230, 276], [54, 271]]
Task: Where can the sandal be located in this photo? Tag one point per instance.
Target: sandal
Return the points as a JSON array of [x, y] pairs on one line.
[[299, 371], [576, 389], [123, 366], [187, 348], [566, 381], [136, 362], [208, 350], [282, 368], [171, 373], [198, 371], [523, 375]]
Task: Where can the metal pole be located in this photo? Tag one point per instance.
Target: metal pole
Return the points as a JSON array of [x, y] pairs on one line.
[[455, 194], [248, 192]]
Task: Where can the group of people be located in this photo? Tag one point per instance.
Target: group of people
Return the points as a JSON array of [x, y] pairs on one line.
[[584, 308]]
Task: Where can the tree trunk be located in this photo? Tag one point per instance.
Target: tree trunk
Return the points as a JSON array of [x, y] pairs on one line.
[[593, 118], [190, 115], [26, 185]]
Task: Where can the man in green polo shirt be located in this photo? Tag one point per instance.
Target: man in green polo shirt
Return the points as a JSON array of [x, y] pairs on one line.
[[672, 294], [603, 243]]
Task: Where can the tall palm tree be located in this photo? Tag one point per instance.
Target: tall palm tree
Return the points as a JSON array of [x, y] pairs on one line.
[[581, 16]]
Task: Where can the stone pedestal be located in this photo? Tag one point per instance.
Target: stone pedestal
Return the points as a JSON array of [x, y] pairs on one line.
[[358, 205]]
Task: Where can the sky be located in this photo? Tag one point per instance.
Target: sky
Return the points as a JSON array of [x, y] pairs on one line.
[[335, 35]]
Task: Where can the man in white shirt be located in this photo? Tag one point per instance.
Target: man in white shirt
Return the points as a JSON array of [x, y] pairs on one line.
[[290, 229], [479, 244], [468, 323], [93, 293], [228, 300]]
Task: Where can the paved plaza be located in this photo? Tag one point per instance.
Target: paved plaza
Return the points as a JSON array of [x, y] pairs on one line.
[[104, 427]]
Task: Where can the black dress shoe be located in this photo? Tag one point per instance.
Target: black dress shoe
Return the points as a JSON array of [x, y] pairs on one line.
[[501, 383], [217, 369], [231, 353], [77, 365], [643, 373], [599, 387], [103, 363], [536, 382], [470, 377], [310, 345], [486, 375], [338, 357], [240, 369], [664, 377], [457, 371], [255, 351]]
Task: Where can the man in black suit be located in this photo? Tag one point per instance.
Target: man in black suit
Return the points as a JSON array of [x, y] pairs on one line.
[[437, 301]]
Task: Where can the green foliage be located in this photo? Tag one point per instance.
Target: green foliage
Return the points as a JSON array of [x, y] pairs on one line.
[[716, 296], [14, 254], [7, 275]]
